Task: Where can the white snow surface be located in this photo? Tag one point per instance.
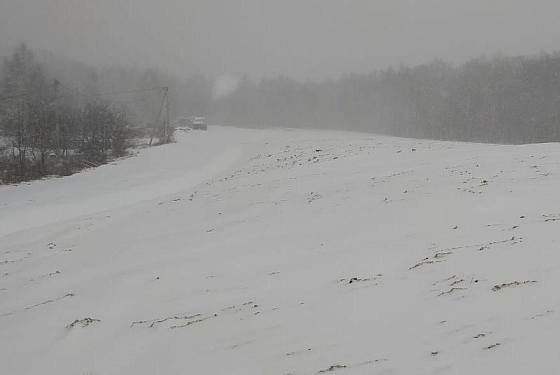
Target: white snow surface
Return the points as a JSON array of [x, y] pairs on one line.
[[238, 251]]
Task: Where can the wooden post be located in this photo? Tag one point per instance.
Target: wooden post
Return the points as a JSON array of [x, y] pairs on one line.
[[57, 122], [167, 124]]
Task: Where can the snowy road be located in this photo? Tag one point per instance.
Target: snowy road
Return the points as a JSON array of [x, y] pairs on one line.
[[156, 173], [240, 251]]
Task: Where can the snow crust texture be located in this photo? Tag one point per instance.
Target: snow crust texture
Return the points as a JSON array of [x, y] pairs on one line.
[[238, 251]]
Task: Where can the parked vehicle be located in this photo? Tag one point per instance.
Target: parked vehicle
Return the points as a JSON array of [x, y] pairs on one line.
[[198, 123]]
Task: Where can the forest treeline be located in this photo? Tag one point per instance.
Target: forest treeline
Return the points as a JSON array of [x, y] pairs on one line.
[[56, 119], [499, 100], [59, 115]]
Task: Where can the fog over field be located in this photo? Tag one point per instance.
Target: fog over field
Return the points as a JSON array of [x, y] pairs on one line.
[[279, 187], [312, 39]]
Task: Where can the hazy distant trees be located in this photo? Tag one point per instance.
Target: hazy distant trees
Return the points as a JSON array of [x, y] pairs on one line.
[[88, 116], [92, 113], [502, 100], [45, 130]]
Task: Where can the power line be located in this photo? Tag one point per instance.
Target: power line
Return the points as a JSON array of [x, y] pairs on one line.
[[2, 100], [92, 96], [111, 93], [97, 96], [129, 92], [131, 101]]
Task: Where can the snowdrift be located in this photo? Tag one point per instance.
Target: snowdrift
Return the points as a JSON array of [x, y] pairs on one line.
[[240, 251]]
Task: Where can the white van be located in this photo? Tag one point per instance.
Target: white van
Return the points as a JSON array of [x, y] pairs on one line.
[[198, 123]]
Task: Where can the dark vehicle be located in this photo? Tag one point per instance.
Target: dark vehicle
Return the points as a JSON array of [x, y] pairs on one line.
[[198, 123]]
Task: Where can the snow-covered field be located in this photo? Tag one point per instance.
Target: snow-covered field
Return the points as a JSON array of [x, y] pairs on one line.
[[240, 251]]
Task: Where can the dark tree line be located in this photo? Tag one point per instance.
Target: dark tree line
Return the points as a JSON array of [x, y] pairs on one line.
[[46, 129], [499, 100], [187, 97]]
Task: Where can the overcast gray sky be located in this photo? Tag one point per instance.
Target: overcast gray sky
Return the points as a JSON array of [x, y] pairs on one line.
[[307, 39]]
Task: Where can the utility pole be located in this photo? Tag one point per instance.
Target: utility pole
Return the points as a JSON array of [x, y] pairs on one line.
[[166, 123], [57, 122], [156, 124]]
